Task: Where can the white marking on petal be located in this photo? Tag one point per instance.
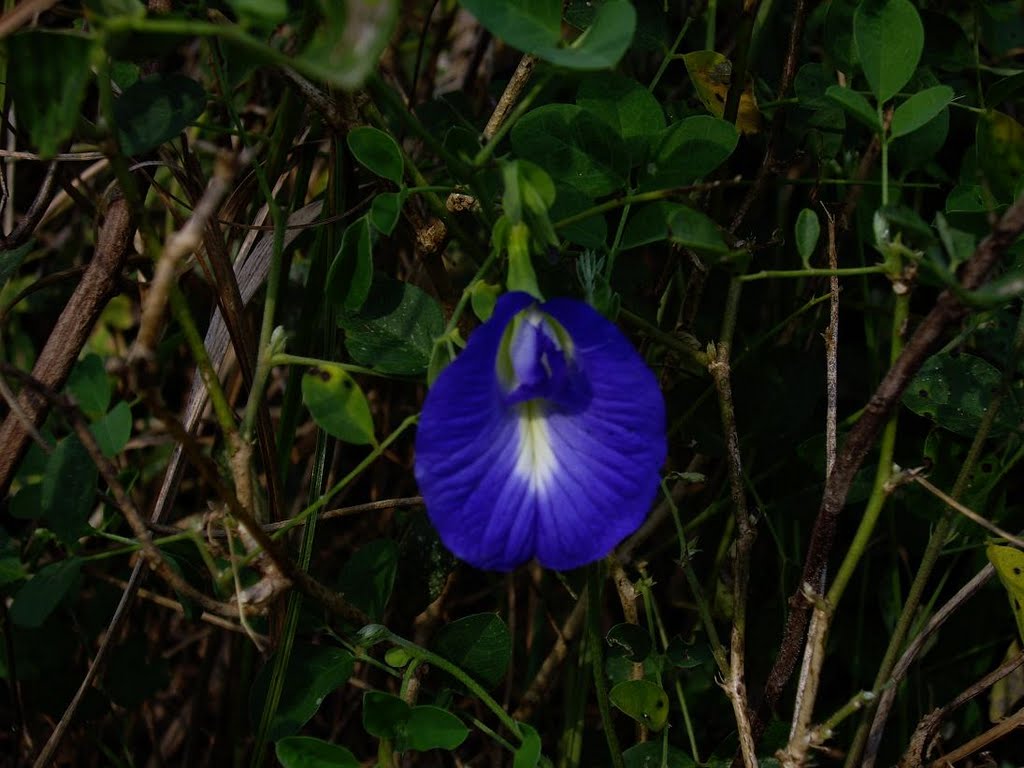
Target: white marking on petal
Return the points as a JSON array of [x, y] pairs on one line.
[[535, 460]]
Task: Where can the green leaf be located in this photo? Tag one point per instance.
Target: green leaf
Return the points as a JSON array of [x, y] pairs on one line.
[[90, 386], [691, 228], [384, 715], [690, 150], [651, 754], [574, 147], [378, 152], [46, 77], [479, 645], [855, 105], [367, 578], [591, 232], [535, 26], [313, 673], [40, 595], [648, 224], [838, 37], [156, 109], [482, 297], [919, 109], [643, 701], [69, 489], [1000, 141], [954, 391], [528, 753], [431, 728], [337, 404], [394, 331], [385, 210], [626, 106], [11, 570], [11, 259], [113, 431], [889, 37], [351, 273], [808, 230], [308, 752], [967, 199], [348, 42]]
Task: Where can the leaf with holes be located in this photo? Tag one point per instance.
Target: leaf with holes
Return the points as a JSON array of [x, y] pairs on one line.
[[1009, 564], [955, 391], [337, 404], [394, 331]]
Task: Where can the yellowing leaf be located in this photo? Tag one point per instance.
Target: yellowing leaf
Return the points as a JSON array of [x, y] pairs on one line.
[[1009, 564], [1008, 691], [711, 75]]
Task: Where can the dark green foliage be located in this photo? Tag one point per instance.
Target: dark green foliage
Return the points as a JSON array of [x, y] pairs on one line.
[[348, 163]]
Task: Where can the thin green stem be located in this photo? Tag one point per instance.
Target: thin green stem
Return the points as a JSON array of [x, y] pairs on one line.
[[613, 251], [283, 358], [879, 491], [221, 407], [933, 549], [460, 307], [133, 547], [717, 649], [765, 274], [321, 502], [670, 54], [474, 687], [618, 202], [274, 277]]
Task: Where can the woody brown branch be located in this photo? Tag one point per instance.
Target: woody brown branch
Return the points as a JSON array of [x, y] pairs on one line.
[[65, 342]]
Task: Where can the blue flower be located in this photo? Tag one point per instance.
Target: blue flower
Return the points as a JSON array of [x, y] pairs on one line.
[[544, 438]]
